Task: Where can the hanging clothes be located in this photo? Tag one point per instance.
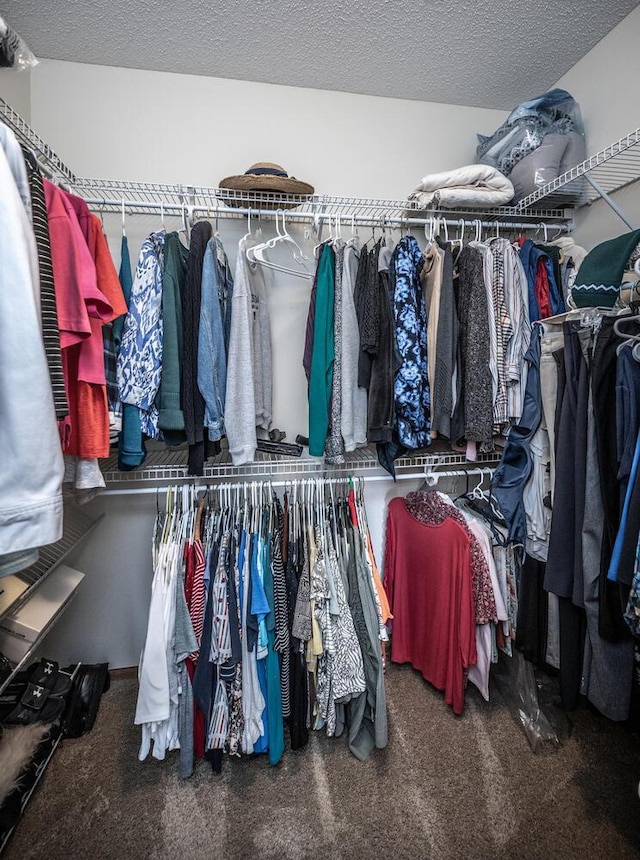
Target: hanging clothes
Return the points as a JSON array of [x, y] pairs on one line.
[[471, 303], [353, 404], [50, 328], [192, 400], [139, 365], [273, 645], [385, 364], [249, 382], [31, 476], [169, 401], [433, 623], [444, 377], [213, 336], [335, 447], [323, 353]]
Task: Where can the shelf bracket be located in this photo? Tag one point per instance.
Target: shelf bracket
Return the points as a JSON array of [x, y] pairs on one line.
[[609, 201]]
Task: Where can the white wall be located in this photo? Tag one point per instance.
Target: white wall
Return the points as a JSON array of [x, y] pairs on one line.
[[151, 126], [605, 83], [15, 88], [159, 127]]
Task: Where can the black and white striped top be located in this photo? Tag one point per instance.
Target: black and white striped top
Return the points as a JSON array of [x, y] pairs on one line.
[[50, 331]]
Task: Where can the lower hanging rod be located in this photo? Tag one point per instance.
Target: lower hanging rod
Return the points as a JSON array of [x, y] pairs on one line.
[[148, 207]]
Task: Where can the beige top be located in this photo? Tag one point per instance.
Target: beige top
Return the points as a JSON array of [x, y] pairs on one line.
[[431, 278]]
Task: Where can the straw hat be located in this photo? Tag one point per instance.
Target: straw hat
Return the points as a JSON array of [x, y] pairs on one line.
[[267, 177]]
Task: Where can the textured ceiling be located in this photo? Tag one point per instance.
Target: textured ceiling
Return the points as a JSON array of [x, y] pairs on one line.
[[488, 53]]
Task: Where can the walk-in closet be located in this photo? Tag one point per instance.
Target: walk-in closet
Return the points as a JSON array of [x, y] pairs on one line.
[[319, 431]]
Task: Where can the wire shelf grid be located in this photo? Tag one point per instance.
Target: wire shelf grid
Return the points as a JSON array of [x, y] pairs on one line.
[[110, 195], [163, 466], [49, 160], [612, 168]]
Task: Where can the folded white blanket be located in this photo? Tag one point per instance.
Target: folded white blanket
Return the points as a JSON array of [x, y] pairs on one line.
[[473, 185]]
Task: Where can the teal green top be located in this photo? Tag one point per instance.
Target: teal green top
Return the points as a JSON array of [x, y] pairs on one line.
[[322, 354]]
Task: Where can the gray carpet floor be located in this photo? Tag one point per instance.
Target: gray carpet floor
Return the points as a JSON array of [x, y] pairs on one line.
[[444, 788]]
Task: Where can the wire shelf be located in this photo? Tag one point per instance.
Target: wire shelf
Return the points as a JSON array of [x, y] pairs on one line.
[[612, 168], [110, 195], [49, 161], [170, 465], [76, 526]]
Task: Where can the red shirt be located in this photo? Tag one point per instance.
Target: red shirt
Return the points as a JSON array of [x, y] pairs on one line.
[[542, 290], [428, 579]]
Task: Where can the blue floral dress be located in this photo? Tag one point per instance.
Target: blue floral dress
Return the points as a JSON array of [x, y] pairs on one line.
[[411, 387]]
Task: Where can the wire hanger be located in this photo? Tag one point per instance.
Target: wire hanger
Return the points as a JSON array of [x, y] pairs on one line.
[[124, 230]]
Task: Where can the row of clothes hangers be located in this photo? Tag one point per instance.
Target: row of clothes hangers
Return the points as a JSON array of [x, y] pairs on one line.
[[257, 250], [315, 503]]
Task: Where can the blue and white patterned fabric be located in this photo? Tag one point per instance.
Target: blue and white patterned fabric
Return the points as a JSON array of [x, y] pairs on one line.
[[411, 387], [140, 359]]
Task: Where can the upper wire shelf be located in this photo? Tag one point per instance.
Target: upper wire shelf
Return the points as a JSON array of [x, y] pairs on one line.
[[146, 197], [611, 169], [49, 161]]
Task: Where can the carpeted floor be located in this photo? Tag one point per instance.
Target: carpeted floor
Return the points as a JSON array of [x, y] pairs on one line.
[[445, 788]]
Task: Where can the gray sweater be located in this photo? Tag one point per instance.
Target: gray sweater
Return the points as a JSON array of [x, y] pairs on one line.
[[354, 399], [249, 382]]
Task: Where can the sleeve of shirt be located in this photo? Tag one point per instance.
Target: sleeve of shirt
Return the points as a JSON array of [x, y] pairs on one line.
[[108, 281], [389, 558]]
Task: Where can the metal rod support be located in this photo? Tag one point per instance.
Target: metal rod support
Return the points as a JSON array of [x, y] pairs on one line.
[[609, 201]]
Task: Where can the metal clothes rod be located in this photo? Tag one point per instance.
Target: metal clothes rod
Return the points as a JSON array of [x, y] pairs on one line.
[[430, 475], [156, 207]]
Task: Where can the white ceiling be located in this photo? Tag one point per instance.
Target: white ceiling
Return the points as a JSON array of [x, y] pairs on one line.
[[487, 53]]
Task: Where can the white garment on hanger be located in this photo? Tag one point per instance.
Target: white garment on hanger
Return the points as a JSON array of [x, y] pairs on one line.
[[31, 455]]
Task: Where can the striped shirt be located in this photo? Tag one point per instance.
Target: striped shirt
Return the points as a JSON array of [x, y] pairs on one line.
[[50, 331], [198, 597]]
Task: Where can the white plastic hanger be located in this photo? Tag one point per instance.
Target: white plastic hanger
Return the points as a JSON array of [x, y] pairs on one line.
[[186, 225], [124, 231], [257, 253], [248, 236]]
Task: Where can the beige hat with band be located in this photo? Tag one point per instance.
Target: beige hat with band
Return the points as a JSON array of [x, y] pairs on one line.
[[266, 177]]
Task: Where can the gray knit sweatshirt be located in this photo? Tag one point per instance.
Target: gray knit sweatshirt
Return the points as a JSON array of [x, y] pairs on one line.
[[249, 382]]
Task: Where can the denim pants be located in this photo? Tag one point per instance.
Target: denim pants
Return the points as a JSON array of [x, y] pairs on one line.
[[515, 466]]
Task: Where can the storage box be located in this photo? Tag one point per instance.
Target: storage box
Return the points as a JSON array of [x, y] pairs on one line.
[[20, 630], [11, 588]]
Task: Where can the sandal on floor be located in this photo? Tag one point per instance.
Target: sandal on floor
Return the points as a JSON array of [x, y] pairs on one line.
[[44, 673], [29, 704]]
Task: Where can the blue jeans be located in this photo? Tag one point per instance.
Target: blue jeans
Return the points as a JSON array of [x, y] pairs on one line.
[[515, 466]]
